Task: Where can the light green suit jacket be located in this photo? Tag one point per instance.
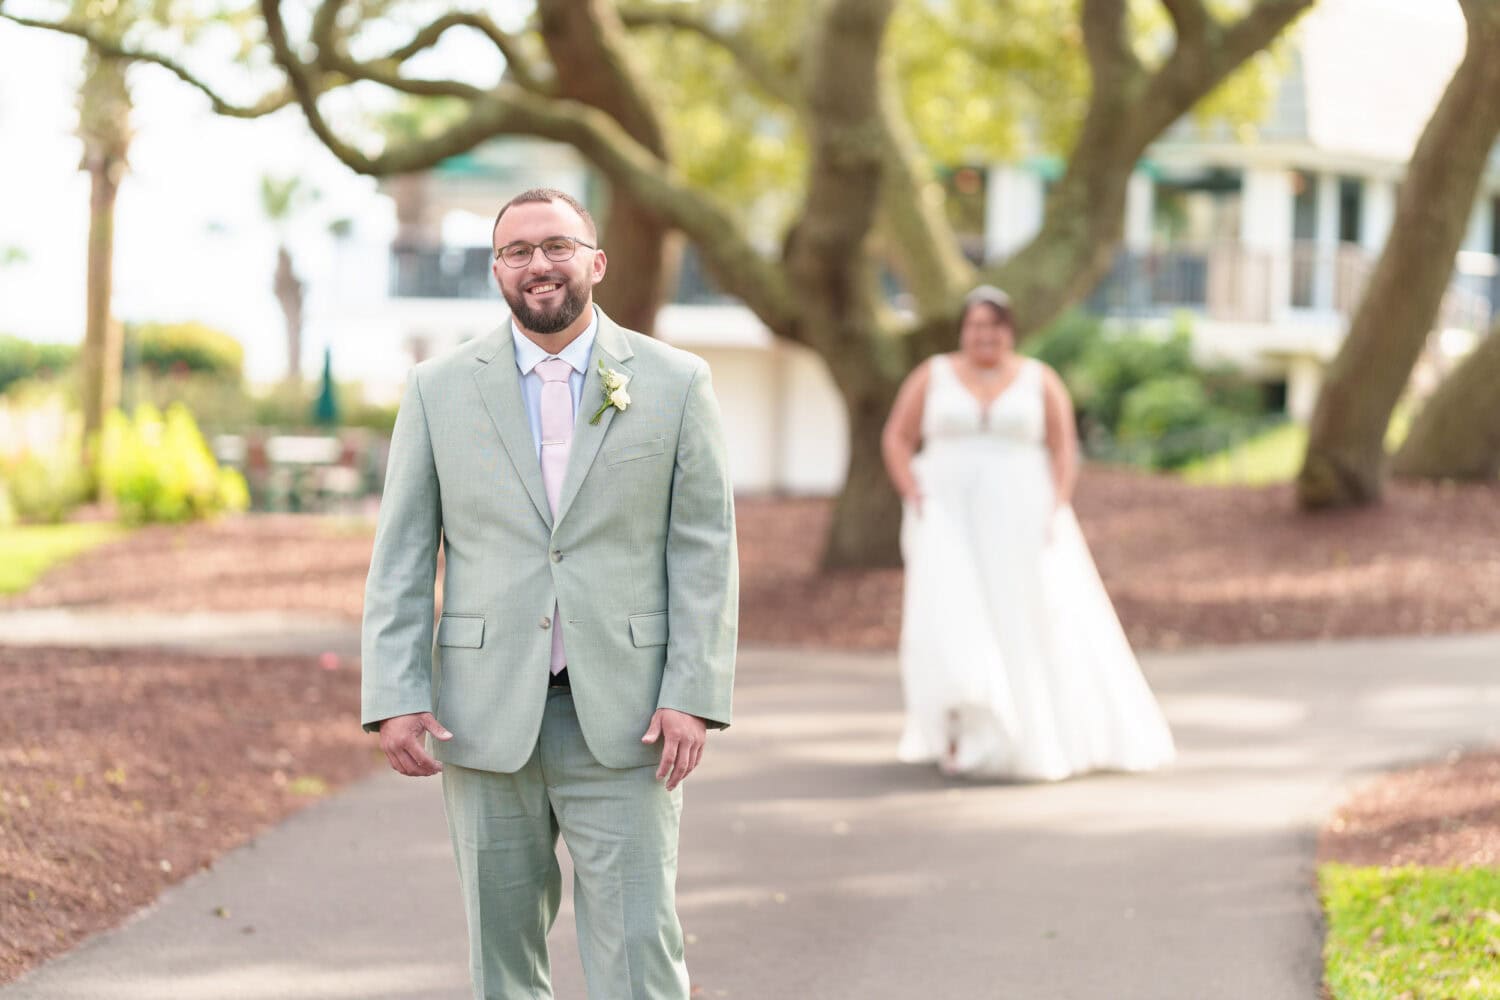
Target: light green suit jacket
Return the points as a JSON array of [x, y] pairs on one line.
[[640, 559]]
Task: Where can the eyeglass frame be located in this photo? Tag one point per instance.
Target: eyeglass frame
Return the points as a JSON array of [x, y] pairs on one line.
[[572, 241]]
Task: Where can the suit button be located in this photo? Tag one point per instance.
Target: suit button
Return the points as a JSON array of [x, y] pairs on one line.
[[556, 556], [546, 623]]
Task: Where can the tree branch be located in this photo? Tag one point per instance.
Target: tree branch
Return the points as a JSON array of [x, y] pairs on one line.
[[1106, 42], [332, 56], [1189, 17], [520, 69], [510, 110], [925, 241], [826, 252], [753, 63], [101, 42], [1201, 60]]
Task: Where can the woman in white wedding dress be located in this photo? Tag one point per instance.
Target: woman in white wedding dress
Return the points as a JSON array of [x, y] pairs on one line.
[[1013, 662]]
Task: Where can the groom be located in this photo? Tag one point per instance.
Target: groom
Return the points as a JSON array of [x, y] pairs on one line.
[[575, 474]]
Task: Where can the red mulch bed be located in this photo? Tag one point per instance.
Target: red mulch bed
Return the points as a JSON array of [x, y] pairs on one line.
[[114, 762], [1186, 565], [123, 772], [1441, 814]]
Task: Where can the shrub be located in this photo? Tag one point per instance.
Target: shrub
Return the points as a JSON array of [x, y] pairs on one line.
[[1063, 343], [22, 359], [45, 489], [42, 476], [176, 348], [160, 469]]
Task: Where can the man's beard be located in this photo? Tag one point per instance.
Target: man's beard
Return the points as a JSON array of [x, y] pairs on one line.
[[552, 320]]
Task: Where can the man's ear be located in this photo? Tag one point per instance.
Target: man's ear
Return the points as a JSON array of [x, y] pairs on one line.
[[601, 264]]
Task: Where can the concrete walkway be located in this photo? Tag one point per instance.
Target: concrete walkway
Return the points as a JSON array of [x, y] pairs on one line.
[[815, 868]]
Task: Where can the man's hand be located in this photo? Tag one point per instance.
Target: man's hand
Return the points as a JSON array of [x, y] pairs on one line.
[[401, 739], [683, 749]]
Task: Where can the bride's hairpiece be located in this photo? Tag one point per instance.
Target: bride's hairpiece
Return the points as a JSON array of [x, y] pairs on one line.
[[990, 296]]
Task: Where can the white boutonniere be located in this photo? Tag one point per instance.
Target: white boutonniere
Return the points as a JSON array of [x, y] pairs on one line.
[[614, 391]]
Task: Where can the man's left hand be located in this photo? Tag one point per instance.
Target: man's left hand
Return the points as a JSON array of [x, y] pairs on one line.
[[685, 736]]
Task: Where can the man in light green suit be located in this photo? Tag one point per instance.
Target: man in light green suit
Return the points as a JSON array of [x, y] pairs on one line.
[[575, 475]]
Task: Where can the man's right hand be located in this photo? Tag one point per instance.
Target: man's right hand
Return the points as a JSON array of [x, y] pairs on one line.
[[401, 739]]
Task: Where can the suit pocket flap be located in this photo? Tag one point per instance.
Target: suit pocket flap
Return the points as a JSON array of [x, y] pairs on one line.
[[461, 630], [649, 629], [630, 452]]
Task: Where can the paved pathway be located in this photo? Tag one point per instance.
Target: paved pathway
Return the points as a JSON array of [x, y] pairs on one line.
[[814, 868]]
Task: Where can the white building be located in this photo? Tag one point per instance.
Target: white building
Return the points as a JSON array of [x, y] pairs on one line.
[[1266, 242]]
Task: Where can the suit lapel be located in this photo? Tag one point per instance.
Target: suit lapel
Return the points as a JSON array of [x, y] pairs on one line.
[[611, 347], [500, 387]]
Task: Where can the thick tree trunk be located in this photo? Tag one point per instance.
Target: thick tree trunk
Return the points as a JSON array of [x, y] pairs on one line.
[[1457, 434], [866, 527], [104, 119], [1345, 462], [643, 257], [588, 43]]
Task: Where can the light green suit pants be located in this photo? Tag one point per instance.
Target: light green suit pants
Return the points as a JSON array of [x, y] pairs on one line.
[[620, 827]]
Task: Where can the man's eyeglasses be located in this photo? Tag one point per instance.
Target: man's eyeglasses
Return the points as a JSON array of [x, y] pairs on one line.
[[554, 248]]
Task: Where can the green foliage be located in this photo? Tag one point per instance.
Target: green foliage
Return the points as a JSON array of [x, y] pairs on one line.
[[1142, 398], [220, 406], [1411, 932], [23, 359], [179, 348], [160, 469], [290, 407], [45, 488], [31, 550], [1113, 366], [42, 475], [1163, 408], [1064, 343]]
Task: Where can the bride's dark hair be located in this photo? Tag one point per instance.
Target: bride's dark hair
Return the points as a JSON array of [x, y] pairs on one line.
[[993, 297]]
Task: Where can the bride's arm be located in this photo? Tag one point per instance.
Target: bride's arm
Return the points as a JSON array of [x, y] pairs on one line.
[[903, 434], [1062, 436]]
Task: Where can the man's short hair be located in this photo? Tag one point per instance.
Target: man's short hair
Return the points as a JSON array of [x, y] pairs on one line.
[[542, 196]]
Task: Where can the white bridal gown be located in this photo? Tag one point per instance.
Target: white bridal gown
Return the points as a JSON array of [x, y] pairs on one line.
[[1009, 644]]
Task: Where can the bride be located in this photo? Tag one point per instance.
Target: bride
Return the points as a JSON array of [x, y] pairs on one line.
[[1012, 660]]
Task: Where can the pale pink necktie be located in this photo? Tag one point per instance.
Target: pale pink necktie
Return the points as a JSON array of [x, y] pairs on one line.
[[557, 442]]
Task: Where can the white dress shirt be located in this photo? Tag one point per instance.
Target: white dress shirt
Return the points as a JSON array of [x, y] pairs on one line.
[[528, 356]]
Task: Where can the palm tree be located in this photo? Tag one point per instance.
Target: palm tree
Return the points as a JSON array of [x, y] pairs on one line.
[[281, 198], [104, 126]]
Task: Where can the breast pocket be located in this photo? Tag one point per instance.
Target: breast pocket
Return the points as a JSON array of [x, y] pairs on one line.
[[634, 452]]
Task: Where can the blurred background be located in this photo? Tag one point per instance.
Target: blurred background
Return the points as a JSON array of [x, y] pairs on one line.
[[1260, 241]]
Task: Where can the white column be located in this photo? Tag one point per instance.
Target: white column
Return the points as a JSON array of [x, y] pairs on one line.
[[1378, 211], [1304, 379], [1477, 236], [1140, 203], [1326, 241], [1266, 232], [1012, 211]]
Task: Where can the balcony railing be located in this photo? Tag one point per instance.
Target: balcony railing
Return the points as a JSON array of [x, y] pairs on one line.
[[1222, 281], [446, 273], [1233, 283]]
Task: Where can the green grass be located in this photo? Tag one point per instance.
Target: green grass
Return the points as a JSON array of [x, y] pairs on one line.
[[28, 551], [1270, 457], [1274, 456], [1411, 933]]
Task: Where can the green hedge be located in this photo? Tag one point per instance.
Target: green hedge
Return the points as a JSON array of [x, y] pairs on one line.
[[180, 348], [1142, 398], [23, 359]]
